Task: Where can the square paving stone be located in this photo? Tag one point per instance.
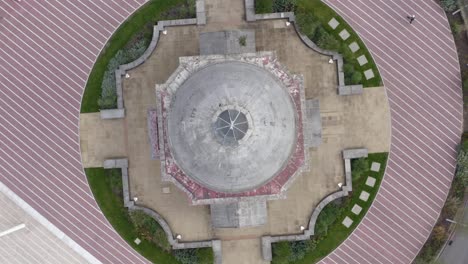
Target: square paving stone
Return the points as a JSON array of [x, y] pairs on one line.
[[375, 166], [333, 23], [137, 241], [166, 190], [344, 34], [356, 209], [354, 47], [369, 74], [362, 60], [347, 222], [370, 181], [364, 196]]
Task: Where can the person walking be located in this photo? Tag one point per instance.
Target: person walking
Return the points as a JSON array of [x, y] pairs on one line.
[[411, 18]]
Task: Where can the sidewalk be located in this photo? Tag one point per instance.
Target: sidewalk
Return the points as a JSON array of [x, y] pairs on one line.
[[456, 253]]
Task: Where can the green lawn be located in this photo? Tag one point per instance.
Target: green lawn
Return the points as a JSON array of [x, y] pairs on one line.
[[321, 13], [105, 185], [140, 22], [337, 232]]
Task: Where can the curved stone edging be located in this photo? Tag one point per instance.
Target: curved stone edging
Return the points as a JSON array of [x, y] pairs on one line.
[[170, 236], [175, 244], [348, 154], [251, 17], [124, 68]]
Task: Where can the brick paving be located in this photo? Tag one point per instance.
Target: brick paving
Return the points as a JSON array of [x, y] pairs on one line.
[[420, 71], [47, 50]]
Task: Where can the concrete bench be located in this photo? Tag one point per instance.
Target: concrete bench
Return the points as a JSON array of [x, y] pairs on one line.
[[355, 153], [112, 113], [350, 89]]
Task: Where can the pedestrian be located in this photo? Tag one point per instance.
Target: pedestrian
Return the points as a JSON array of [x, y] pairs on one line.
[[411, 18]]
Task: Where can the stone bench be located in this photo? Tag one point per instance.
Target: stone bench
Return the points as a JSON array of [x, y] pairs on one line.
[[112, 113], [350, 89], [355, 153]]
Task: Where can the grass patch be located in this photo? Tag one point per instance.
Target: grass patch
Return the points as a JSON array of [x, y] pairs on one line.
[[312, 18], [330, 232], [139, 25], [106, 186]]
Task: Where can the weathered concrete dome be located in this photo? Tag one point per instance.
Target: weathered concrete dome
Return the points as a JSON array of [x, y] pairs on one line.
[[231, 126]]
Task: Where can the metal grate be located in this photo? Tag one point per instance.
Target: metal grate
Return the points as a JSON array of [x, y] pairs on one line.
[[231, 126]]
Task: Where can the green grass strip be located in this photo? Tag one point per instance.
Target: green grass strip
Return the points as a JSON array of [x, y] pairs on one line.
[[324, 14], [103, 184], [337, 232], [141, 21]]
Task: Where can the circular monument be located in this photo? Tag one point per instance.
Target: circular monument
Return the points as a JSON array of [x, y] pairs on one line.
[[231, 126]]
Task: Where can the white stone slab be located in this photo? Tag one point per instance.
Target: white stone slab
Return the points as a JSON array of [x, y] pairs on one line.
[[354, 47], [333, 23], [375, 166], [356, 209], [137, 241], [364, 196], [370, 181], [166, 190], [369, 74], [344, 34], [362, 60], [112, 113], [347, 222]]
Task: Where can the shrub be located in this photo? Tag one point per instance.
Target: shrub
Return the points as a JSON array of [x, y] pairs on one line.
[[149, 229], [449, 5], [205, 255], [439, 233], [359, 166], [327, 217], [243, 40], [292, 251], [263, 6], [186, 9], [325, 40], [465, 85], [194, 255], [307, 23], [356, 78], [348, 55], [450, 208], [281, 252], [284, 5], [462, 166], [348, 69], [456, 28], [300, 248], [109, 90]]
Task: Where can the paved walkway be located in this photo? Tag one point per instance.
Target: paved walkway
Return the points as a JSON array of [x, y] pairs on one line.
[[420, 70], [101, 139], [456, 253], [243, 251]]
